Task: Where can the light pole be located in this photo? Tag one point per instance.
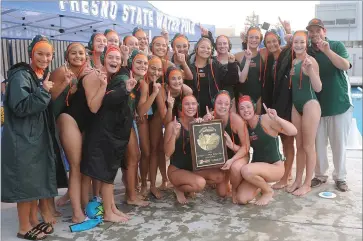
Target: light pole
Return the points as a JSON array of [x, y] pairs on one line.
[[349, 20], [349, 30]]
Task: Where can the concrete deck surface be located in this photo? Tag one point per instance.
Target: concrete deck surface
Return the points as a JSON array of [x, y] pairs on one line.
[[209, 217]]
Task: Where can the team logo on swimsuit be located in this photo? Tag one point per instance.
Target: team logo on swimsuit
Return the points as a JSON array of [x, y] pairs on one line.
[[201, 75], [253, 137], [253, 64], [208, 142]]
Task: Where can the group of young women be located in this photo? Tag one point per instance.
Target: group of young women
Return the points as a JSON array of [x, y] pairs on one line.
[[110, 102]]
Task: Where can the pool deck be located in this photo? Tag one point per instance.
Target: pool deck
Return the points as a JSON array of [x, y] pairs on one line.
[[211, 218]]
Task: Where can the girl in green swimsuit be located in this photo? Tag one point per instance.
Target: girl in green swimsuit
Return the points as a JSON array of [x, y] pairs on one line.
[[266, 165], [304, 81]]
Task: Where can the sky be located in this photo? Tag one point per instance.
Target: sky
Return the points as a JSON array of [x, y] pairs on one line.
[[233, 13]]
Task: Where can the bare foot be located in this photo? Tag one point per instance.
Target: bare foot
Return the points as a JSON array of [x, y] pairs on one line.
[[78, 219], [192, 195], [290, 177], [154, 191], [143, 190], [279, 185], [180, 196], [164, 185], [63, 200], [234, 196], [304, 189], [53, 210], [114, 218], [265, 198], [140, 196], [48, 217], [57, 214], [293, 187], [137, 202], [116, 211]]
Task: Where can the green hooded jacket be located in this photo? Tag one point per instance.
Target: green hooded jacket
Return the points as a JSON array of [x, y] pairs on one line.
[[31, 164]]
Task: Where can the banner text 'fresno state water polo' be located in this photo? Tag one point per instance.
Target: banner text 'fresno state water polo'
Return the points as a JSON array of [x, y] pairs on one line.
[[130, 14]]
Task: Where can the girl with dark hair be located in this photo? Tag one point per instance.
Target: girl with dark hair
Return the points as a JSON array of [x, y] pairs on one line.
[[31, 161], [159, 48], [167, 104], [65, 79], [86, 89], [277, 95], [209, 76], [138, 65], [96, 46], [177, 147], [306, 112]]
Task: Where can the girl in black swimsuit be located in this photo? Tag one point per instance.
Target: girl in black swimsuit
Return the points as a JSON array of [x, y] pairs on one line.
[[75, 116], [177, 147], [106, 140], [236, 138]]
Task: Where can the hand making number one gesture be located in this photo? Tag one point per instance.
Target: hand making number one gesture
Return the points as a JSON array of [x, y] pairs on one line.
[[170, 101], [270, 112], [248, 53], [177, 126], [208, 116]]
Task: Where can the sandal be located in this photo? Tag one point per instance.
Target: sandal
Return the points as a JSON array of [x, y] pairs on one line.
[[316, 182], [44, 227], [32, 235]]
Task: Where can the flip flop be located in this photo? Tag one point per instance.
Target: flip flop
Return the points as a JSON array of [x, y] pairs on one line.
[[32, 235], [44, 227]]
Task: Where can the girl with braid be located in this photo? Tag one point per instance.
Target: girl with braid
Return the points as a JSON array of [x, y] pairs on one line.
[[306, 112]]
